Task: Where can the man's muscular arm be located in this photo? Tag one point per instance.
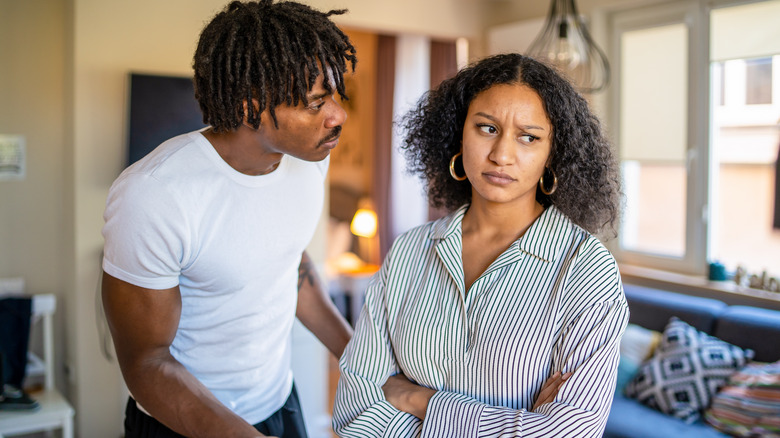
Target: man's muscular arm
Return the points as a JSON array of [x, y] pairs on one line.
[[317, 312], [143, 323]]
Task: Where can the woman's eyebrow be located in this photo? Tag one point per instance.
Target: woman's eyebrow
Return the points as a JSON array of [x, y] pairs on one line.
[[489, 117]]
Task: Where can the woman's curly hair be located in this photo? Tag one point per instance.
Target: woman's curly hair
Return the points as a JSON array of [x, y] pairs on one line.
[[581, 157], [270, 52]]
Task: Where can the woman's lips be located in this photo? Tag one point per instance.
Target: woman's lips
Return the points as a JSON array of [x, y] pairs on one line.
[[498, 178]]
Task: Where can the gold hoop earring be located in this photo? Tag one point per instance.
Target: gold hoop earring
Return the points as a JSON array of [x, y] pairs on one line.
[[554, 185], [452, 168]]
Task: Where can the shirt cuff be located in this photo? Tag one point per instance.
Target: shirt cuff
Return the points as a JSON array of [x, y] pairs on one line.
[[451, 414]]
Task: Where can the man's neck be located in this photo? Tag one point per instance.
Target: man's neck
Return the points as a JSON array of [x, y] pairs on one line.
[[241, 151]]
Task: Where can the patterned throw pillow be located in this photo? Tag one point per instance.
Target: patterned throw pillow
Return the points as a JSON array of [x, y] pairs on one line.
[[686, 371], [749, 404]]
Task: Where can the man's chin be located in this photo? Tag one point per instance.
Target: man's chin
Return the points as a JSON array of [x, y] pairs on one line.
[[318, 154]]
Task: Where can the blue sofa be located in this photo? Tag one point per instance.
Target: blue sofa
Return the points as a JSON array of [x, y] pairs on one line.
[[744, 326]]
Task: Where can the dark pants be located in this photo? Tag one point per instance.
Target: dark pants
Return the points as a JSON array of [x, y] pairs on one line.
[[287, 422]]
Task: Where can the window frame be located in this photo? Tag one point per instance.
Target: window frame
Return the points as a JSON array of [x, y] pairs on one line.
[[695, 16], [609, 24]]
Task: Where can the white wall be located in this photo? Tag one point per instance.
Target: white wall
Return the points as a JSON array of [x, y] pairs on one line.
[[412, 79], [32, 104]]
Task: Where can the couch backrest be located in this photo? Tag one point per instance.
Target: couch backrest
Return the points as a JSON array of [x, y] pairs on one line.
[[652, 308], [751, 327]]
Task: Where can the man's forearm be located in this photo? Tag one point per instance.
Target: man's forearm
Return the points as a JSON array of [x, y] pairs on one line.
[[317, 312], [177, 399]]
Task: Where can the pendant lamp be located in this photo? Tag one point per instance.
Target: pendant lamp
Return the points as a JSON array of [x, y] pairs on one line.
[[566, 43]]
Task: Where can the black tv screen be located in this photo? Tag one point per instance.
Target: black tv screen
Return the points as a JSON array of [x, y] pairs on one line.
[[161, 107]]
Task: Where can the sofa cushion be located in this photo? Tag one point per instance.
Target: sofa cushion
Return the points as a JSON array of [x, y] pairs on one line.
[[749, 404], [630, 419], [687, 369], [751, 327], [652, 308], [636, 346]]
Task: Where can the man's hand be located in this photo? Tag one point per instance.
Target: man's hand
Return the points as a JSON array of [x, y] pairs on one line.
[[550, 389], [407, 396]]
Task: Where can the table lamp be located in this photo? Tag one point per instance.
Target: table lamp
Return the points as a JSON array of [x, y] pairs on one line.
[[364, 226]]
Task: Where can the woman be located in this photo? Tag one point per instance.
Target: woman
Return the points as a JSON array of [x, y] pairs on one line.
[[472, 313]]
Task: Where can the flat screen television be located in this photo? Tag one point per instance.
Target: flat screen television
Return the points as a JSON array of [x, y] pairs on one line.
[[161, 107]]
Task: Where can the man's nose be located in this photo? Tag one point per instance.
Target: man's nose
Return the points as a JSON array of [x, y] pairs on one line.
[[337, 117]]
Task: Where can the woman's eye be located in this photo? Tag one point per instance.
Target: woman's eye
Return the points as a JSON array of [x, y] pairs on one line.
[[487, 129], [528, 138]]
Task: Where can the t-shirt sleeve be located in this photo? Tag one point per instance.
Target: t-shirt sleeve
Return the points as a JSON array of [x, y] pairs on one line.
[[145, 235]]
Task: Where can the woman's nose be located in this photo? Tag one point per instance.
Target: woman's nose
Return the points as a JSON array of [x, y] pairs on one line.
[[501, 153]]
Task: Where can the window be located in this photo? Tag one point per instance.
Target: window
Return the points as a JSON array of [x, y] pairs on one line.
[[695, 116], [745, 137], [718, 83], [758, 81]]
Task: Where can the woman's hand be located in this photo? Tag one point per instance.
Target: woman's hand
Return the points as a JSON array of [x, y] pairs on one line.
[[412, 398], [407, 396], [550, 389]]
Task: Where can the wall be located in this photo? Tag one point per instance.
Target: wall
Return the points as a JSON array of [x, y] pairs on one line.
[[32, 104], [110, 39], [500, 12]]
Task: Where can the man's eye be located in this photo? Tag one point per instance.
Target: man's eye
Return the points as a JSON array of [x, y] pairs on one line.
[[317, 104]]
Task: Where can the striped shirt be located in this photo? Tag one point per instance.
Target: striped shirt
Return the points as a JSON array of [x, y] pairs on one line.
[[553, 301]]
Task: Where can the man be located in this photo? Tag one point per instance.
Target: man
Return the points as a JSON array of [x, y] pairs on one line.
[[204, 266]]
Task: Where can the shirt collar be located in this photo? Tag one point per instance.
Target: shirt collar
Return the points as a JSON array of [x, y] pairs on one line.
[[542, 239], [449, 224]]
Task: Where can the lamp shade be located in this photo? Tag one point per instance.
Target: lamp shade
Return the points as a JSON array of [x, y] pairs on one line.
[[566, 43], [364, 223]]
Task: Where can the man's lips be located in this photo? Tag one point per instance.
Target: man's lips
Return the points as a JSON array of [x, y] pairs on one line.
[[499, 178], [332, 140], [330, 143]]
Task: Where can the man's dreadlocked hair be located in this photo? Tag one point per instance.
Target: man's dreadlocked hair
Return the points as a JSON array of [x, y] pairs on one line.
[[269, 52]]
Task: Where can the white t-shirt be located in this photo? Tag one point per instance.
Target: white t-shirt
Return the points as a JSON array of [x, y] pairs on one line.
[[232, 243]]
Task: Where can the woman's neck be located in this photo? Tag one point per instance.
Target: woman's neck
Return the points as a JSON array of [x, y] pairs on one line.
[[500, 221]]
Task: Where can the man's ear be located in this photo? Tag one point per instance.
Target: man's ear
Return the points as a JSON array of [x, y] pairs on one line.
[[256, 106]]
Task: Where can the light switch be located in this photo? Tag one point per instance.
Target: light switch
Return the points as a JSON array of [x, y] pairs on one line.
[[12, 157]]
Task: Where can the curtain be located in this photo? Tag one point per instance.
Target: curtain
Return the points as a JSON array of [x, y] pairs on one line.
[[443, 65], [385, 84]]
